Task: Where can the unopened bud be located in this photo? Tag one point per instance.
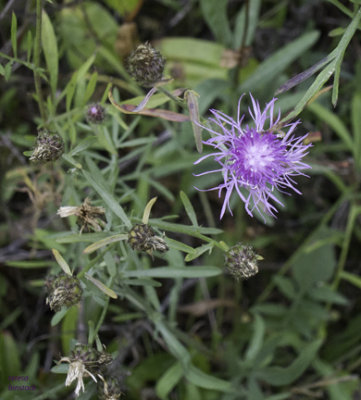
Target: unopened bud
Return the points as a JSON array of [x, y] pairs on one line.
[[143, 238], [95, 114], [146, 65], [242, 261], [49, 147], [63, 290]]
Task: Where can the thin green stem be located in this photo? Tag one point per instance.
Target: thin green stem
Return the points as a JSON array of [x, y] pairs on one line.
[[37, 50], [175, 99], [354, 212]]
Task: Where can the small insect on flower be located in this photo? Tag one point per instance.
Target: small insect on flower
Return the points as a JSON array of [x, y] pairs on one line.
[[256, 160]]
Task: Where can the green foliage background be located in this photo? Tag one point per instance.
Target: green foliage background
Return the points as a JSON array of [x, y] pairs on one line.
[[180, 328]]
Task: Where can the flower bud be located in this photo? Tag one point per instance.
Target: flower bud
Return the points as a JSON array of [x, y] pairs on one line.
[[49, 147], [63, 290], [110, 388], [95, 114], [143, 238], [146, 65], [241, 261]]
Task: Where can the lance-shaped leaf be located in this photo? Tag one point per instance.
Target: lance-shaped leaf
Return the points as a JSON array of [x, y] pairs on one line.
[[148, 209], [192, 101], [60, 260], [109, 292], [104, 242]]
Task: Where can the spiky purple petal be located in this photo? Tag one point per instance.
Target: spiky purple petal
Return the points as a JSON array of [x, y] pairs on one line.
[[255, 161]]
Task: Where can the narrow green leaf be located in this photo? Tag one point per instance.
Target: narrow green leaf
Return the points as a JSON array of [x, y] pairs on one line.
[[58, 316], [192, 102], [201, 379], [198, 251], [175, 244], [14, 30], [90, 87], [7, 70], [50, 49], [174, 345], [77, 77], [356, 127], [104, 242], [148, 209], [341, 48], [254, 9], [189, 208], [334, 122], [255, 345], [280, 376], [327, 294], [169, 380], [60, 260], [29, 45], [109, 199], [276, 63], [109, 292], [188, 230], [176, 272], [215, 14], [28, 264]]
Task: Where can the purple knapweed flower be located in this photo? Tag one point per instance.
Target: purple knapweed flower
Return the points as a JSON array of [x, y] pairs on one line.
[[255, 160]]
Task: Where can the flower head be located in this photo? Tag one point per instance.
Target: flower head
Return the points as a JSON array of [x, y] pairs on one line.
[[146, 65], [95, 113], [242, 261], [85, 362], [143, 238], [89, 217], [49, 147], [256, 160], [63, 290]]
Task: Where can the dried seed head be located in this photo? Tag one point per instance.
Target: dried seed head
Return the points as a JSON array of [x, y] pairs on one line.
[[241, 261], [63, 290], [143, 238], [93, 359], [89, 217], [49, 147], [110, 388], [85, 361], [146, 65], [95, 114]]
